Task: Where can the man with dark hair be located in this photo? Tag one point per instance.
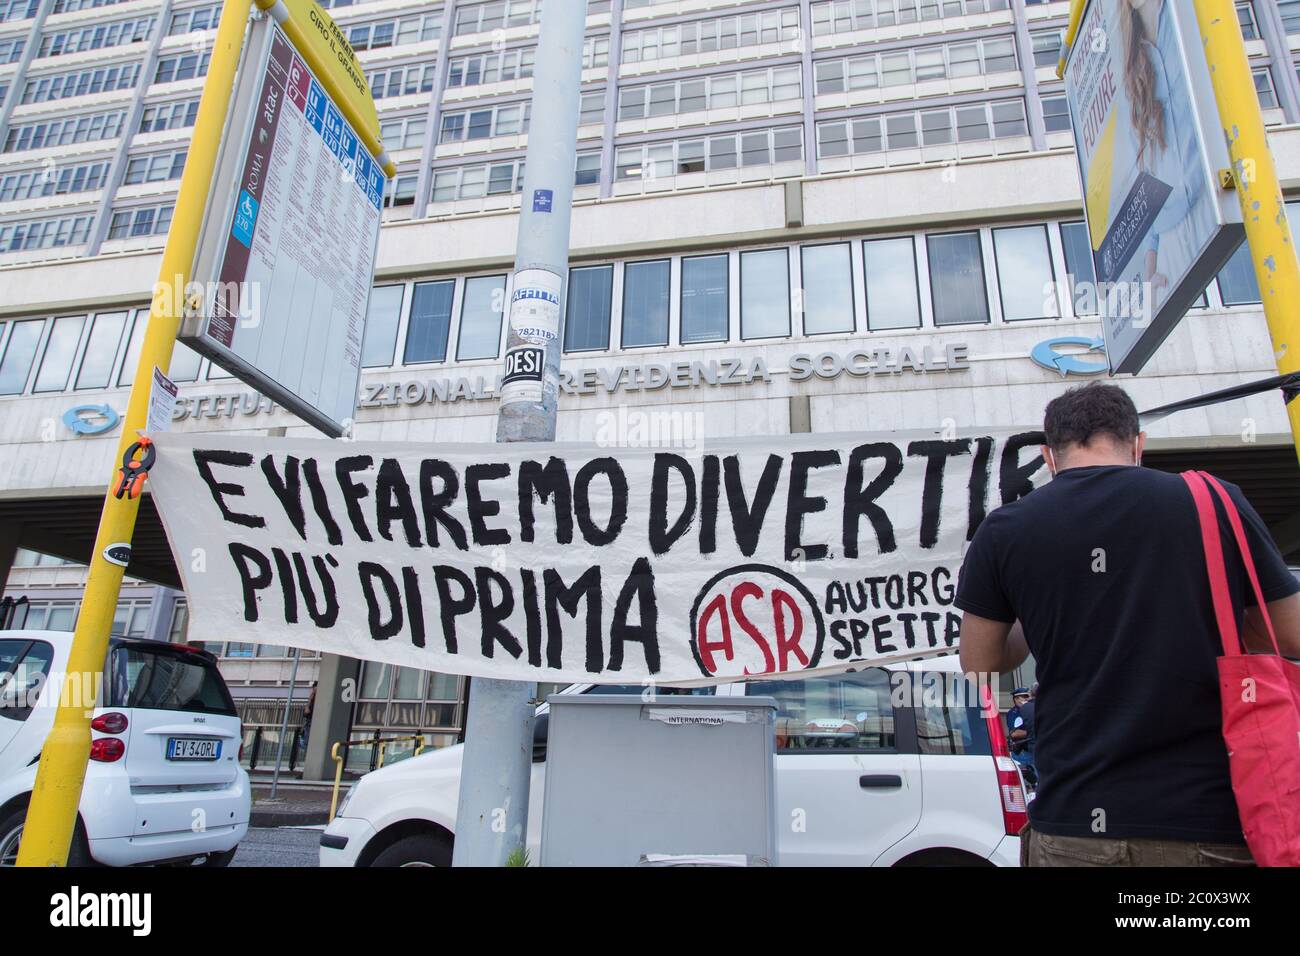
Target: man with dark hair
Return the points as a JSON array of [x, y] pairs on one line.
[[1100, 573]]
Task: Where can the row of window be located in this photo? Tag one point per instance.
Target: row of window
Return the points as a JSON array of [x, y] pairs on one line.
[[155, 168], [81, 352], [903, 67], [140, 221], [761, 147], [720, 91], [70, 6], [18, 9], [892, 283], [705, 36], [195, 18], [404, 133], [402, 80], [11, 49], [45, 233], [80, 83], [131, 619], [53, 181], [939, 279], [507, 120], [497, 16], [956, 124], [182, 66], [844, 16], [515, 64], [176, 114], [64, 131], [377, 35], [96, 36]]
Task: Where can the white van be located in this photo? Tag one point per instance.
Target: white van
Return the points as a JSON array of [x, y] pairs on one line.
[[163, 783], [893, 766]]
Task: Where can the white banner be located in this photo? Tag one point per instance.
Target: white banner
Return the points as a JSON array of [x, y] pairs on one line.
[[579, 562]]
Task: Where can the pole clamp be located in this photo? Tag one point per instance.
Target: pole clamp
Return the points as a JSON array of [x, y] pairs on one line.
[[134, 471]]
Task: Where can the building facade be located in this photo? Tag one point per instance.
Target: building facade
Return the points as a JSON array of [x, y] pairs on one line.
[[790, 215]]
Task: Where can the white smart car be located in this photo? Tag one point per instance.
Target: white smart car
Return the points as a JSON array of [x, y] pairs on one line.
[[163, 783], [894, 766]]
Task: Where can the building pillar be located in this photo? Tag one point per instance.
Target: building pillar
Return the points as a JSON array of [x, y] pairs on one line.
[[331, 719], [610, 116], [1029, 74], [9, 535], [161, 610], [433, 117]]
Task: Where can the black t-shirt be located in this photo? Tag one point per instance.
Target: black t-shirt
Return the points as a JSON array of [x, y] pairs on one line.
[[1104, 568]]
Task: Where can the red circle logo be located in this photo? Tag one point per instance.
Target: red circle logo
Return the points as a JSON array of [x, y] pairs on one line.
[[755, 619]]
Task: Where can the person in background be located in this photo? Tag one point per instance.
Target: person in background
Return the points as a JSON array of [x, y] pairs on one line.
[[306, 715], [1020, 732], [1100, 573]]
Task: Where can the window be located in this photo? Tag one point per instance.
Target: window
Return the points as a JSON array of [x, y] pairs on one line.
[[944, 725], [40, 89], [155, 168], [1237, 283], [60, 350], [1078, 265], [184, 365], [704, 299], [1047, 47], [587, 171], [167, 678], [20, 352], [1264, 87], [764, 294], [645, 303], [184, 67], [586, 322], [24, 666], [1025, 277], [64, 131], [827, 286], [430, 322], [480, 318], [175, 115], [101, 350], [382, 316], [1246, 17], [1056, 113], [957, 289], [140, 221], [848, 712], [893, 299]]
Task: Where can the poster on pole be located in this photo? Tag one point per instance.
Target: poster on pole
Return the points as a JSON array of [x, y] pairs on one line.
[[790, 554], [287, 256], [1147, 138]]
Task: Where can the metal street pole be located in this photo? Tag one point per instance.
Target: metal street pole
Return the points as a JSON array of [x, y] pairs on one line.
[[496, 769], [1254, 176], [284, 723], [52, 814]]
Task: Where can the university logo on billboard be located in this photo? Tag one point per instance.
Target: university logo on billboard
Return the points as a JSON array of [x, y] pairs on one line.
[[1146, 136]]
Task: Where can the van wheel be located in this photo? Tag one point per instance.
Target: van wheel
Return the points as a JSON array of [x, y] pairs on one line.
[[11, 834], [419, 849]]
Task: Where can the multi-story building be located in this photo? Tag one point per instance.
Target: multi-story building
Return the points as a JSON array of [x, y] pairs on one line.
[[855, 181]]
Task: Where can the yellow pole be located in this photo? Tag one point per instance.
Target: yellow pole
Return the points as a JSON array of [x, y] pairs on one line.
[[52, 814], [1254, 175]]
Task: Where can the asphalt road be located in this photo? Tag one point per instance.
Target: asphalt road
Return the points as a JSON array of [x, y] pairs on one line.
[[281, 846]]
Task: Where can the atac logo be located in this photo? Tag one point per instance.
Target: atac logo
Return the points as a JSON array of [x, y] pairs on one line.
[[755, 619]]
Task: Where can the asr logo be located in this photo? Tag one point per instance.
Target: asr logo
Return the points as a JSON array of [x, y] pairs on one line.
[[1047, 355], [91, 419]]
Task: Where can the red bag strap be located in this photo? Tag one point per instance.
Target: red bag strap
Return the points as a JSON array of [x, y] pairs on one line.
[[1239, 532], [1213, 548]]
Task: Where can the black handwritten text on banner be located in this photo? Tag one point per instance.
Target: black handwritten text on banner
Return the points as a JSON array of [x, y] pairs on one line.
[[570, 562]]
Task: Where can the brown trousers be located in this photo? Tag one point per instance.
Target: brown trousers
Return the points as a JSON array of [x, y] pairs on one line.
[[1044, 849]]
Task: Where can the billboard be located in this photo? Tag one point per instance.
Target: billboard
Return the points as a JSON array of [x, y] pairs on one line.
[[287, 254], [1147, 139]]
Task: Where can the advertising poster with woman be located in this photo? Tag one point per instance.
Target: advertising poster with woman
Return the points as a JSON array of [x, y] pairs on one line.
[[1154, 210]]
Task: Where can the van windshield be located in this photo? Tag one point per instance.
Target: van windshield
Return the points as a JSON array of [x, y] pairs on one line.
[[168, 679]]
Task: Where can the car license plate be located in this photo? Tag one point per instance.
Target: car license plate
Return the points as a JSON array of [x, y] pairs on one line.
[[193, 748]]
